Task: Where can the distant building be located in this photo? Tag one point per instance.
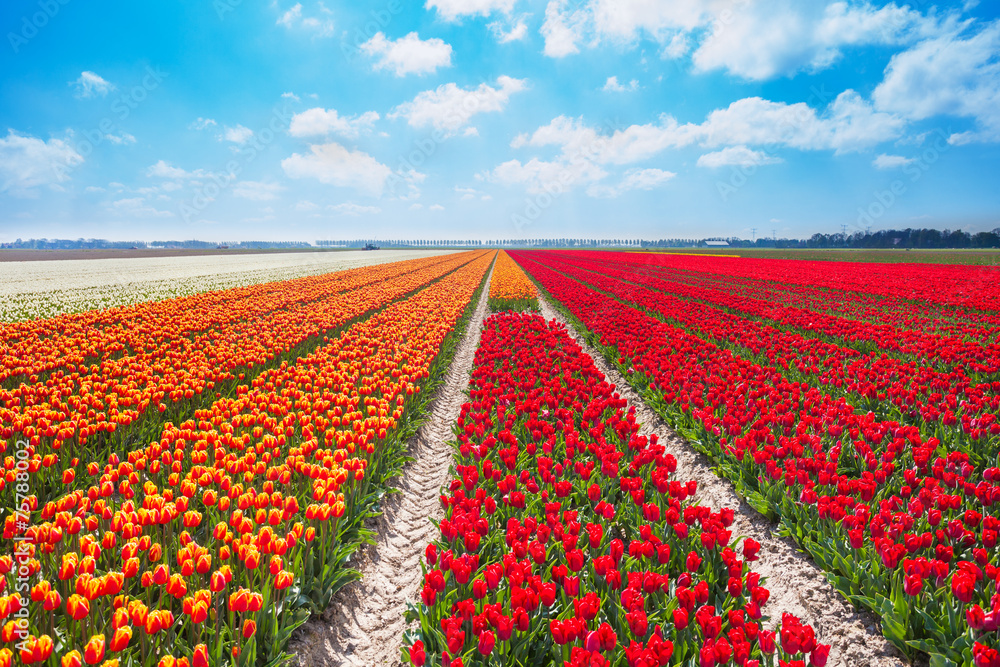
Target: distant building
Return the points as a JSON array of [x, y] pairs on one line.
[[717, 244]]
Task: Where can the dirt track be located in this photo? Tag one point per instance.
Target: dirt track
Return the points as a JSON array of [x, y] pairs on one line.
[[797, 585], [364, 623]]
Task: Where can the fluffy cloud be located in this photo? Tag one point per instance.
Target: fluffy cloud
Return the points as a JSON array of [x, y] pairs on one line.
[[91, 85], [202, 124], [515, 34], [736, 156], [781, 38], [612, 86], [335, 165], [322, 122], [451, 10], [449, 108], [409, 54], [165, 170], [562, 30], [294, 18], [953, 75], [634, 179], [752, 39], [849, 123], [28, 162], [543, 175], [354, 210], [237, 135], [257, 190], [884, 161]]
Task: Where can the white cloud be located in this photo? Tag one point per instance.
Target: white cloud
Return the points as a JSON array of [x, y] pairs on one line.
[[449, 108], [950, 75], [289, 18], [291, 96], [612, 86], [202, 124], [736, 156], [137, 207], [847, 124], [236, 135], [884, 161], [306, 205], [436, 207], [562, 30], [257, 190], [118, 140], [335, 165], [451, 10], [294, 18], [634, 179], [354, 210], [779, 38], [409, 54], [542, 175], [163, 169], [504, 36], [27, 162], [322, 122], [90, 84], [752, 39], [416, 207], [95, 188]]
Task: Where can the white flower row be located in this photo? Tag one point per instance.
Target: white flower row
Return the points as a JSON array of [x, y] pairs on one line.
[[33, 290]]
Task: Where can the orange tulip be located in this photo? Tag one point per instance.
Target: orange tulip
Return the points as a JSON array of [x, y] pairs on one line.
[[121, 638], [200, 658], [77, 607], [72, 659], [93, 652]]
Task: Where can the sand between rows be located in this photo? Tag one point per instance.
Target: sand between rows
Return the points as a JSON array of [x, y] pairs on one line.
[[364, 624], [797, 585]]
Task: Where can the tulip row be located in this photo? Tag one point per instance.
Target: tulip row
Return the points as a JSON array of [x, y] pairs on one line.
[[510, 289], [179, 361], [892, 389], [904, 525], [212, 544], [958, 286], [981, 359], [901, 312], [567, 540]]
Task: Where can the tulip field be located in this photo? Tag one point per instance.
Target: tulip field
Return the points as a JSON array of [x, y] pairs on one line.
[[856, 407], [188, 481]]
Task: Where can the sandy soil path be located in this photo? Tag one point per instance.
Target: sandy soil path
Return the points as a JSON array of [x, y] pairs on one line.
[[364, 623], [797, 585]]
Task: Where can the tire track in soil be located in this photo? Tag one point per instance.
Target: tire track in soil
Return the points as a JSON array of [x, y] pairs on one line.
[[798, 586], [363, 626]]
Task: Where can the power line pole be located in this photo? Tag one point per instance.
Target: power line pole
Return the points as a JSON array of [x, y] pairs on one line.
[[753, 234]]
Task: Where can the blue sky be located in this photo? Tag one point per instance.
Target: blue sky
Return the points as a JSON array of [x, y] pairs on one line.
[[238, 120]]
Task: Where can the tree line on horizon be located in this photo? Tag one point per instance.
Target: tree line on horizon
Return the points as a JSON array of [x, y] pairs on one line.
[[923, 238]]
